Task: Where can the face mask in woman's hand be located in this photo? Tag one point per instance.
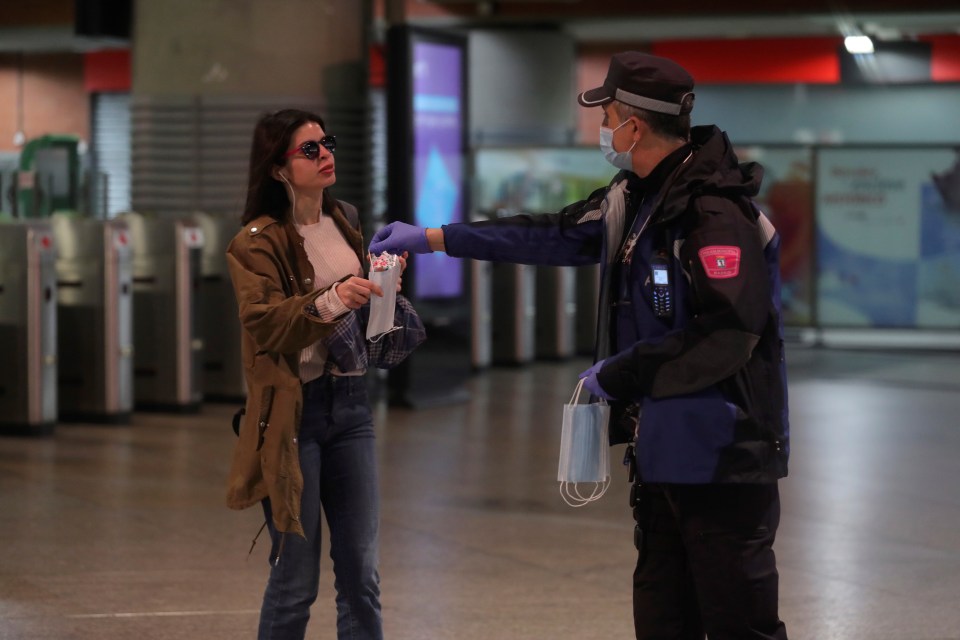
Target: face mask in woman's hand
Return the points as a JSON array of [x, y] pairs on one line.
[[385, 271]]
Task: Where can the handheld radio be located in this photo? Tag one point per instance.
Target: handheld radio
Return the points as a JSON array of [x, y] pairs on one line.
[[660, 277]]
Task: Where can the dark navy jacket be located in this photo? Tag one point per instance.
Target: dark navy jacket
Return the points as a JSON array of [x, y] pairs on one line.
[[709, 382]]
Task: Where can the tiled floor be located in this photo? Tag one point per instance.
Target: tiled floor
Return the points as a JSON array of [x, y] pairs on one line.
[[121, 532]]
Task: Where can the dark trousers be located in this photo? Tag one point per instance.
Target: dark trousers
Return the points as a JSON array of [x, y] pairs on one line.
[[706, 564]]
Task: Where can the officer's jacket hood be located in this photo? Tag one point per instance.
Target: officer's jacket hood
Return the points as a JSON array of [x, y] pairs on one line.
[[713, 169]]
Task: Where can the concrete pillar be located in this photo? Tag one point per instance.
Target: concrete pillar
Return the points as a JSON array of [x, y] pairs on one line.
[[204, 70]]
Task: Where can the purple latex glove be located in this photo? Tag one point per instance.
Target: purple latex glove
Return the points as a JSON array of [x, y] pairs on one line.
[[591, 384], [398, 237]]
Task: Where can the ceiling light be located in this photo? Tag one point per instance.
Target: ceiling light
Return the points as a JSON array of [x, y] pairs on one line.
[[858, 44]]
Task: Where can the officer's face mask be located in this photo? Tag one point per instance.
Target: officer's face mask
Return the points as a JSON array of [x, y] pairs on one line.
[[619, 159]]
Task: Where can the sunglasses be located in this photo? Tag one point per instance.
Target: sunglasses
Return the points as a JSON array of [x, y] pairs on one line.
[[311, 148]]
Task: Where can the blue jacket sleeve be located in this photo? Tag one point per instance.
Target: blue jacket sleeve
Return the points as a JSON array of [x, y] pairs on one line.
[[572, 237]]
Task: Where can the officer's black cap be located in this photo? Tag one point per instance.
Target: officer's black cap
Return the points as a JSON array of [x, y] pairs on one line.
[[645, 81]]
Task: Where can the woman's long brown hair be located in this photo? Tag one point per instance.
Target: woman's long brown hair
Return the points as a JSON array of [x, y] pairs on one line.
[[271, 137]]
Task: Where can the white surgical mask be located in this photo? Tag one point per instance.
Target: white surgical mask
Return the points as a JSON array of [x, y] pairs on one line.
[[619, 159]]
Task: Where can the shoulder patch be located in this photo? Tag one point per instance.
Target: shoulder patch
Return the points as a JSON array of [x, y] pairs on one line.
[[720, 261]]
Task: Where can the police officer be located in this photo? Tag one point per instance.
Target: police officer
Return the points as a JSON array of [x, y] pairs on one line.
[[689, 347]]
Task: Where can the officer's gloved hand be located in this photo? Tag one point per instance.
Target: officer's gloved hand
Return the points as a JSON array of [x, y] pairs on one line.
[[398, 237], [591, 384]]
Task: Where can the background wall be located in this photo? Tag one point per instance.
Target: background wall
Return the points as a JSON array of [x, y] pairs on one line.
[[203, 72], [40, 94], [250, 47], [521, 83], [833, 113], [817, 107]]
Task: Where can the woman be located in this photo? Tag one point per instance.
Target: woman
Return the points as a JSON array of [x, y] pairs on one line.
[[307, 439]]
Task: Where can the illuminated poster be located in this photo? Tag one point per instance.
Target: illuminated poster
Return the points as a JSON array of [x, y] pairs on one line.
[[786, 197], [888, 242], [438, 122]]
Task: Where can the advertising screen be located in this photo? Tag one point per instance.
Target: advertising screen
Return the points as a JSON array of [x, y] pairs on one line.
[[888, 240], [536, 180], [427, 111], [438, 139]]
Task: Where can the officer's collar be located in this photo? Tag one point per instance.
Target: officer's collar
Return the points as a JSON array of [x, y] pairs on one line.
[[655, 179]]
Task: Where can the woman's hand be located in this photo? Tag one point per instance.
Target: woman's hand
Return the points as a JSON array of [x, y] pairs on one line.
[[355, 292]]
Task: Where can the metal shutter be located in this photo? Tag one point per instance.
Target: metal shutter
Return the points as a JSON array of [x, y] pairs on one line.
[[192, 154], [111, 154]]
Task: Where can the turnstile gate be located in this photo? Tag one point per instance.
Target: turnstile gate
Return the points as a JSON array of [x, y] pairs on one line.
[[95, 319], [166, 341], [28, 328], [556, 312], [218, 316], [514, 313], [481, 313], [587, 299]]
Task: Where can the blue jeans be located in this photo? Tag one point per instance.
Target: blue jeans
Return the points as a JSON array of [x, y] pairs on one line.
[[338, 462]]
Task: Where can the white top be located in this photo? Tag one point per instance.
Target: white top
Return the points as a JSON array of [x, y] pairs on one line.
[[332, 258]]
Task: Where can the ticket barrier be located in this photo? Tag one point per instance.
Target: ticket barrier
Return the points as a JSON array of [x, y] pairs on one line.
[[587, 299], [513, 313], [7, 196], [28, 328], [556, 312], [221, 365], [481, 313], [95, 319], [167, 253]]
